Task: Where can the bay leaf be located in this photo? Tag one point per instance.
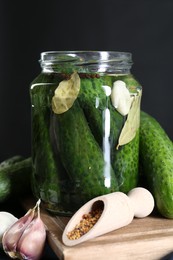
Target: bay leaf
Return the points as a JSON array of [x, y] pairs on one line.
[[132, 122], [65, 94]]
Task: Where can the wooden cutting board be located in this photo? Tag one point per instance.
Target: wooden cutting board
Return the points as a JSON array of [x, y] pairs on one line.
[[150, 238]]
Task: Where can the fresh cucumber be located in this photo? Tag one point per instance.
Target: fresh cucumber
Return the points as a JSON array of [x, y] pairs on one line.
[[10, 161], [156, 158], [15, 179]]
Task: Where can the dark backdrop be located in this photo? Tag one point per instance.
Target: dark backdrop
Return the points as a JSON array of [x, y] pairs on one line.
[[27, 28]]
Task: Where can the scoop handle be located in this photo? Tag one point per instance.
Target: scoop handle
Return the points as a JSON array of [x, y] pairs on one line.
[[142, 202]]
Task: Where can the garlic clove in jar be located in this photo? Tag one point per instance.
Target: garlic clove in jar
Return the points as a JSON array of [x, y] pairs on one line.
[[121, 98], [6, 220]]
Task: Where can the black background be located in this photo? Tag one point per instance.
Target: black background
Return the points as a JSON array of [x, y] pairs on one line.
[[27, 28]]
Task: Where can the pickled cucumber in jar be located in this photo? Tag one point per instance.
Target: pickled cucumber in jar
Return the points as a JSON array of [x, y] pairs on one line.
[[85, 128]]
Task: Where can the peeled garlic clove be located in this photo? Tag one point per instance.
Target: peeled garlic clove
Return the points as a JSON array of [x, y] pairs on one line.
[[6, 220], [13, 233], [120, 97], [32, 241]]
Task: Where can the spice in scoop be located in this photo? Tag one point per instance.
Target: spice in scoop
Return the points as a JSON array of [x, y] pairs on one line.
[[86, 223]]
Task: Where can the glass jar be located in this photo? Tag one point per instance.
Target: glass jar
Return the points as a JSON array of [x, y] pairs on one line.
[[85, 135]]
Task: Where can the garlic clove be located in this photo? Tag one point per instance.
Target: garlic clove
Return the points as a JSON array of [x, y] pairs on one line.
[[32, 241], [13, 233], [6, 220], [121, 98]]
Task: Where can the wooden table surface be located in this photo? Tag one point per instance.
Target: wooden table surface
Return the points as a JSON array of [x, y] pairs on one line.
[[144, 239]]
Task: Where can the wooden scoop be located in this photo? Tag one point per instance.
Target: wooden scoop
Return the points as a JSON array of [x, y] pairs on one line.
[[118, 210]]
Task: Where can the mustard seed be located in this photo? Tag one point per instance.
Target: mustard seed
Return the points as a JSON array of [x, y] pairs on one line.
[[85, 224]]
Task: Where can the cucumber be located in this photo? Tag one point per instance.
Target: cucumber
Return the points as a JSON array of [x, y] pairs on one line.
[[47, 167], [125, 160], [91, 92], [125, 164], [15, 178], [81, 155], [45, 180], [156, 159], [11, 161]]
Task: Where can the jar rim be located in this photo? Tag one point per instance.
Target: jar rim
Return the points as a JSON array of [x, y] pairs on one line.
[[105, 62], [85, 56]]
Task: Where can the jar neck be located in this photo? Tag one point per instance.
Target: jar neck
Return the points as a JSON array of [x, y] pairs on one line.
[[101, 62]]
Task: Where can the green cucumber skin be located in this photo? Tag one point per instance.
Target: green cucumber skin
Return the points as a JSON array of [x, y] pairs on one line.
[[156, 158], [15, 179], [125, 161], [126, 164], [80, 153], [44, 167], [87, 99], [90, 90], [49, 179], [47, 168], [10, 161]]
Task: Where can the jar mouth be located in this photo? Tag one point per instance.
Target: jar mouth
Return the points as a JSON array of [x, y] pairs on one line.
[[82, 57], [100, 61]]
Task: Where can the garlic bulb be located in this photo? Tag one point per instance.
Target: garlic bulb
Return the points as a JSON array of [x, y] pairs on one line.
[[25, 239], [6, 220]]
